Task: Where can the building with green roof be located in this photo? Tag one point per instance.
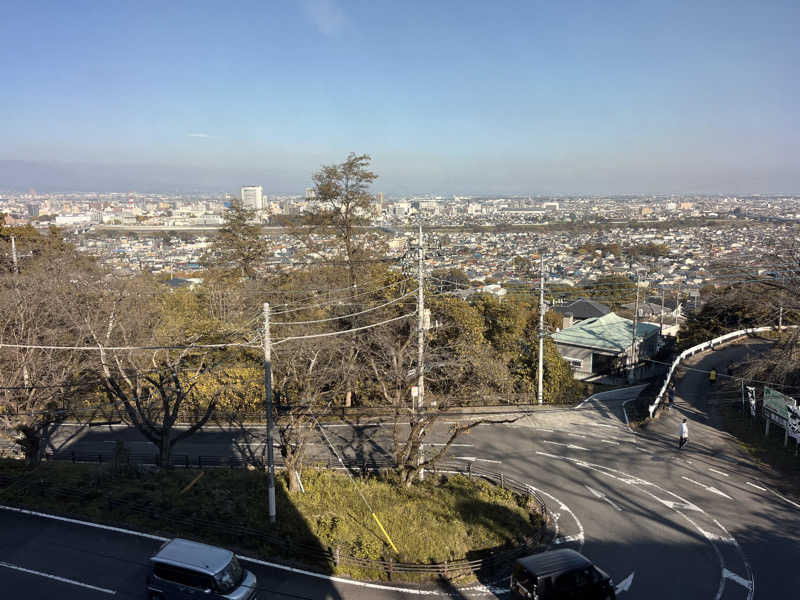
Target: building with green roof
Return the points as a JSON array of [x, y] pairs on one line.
[[602, 345]]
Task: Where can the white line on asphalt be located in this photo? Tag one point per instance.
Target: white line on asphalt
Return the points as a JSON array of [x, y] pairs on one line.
[[573, 446], [57, 578], [709, 488], [784, 498], [610, 442], [577, 435], [758, 487], [597, 425], [477, 588], [540, 429], [713, 470], [679, 505], [86, 523], [453, 445], [737, 578], [473, 459], [602, 496]]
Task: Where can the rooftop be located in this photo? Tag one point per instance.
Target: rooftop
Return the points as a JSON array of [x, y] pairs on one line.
[[609, 332]]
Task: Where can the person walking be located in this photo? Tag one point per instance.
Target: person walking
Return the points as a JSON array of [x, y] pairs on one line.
[[684, 435]]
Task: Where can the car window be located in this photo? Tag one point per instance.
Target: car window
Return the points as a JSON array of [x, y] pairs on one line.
[[229, 578], [181, 576]]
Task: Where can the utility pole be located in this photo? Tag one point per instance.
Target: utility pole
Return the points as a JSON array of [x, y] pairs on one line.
[[14, 255], [634, 349], [268, 387], [420, 342], [540, 374], [780, 319], [661, 321]]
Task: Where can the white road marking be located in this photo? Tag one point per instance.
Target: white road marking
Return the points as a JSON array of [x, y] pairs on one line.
[[453, 445], [597, 425], [573, 446], [617, 474], [713, 470], [679, 505], [602, 496], [610, 442], [737, 578], [784, 498], [709, 488], [625, 584], [474, 458], [57, 578], [758, 487], [566, 539], [577, 435], [541, 429], [343, 580]]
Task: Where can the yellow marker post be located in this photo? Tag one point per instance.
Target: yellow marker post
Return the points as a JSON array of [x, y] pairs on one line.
[[195, 480], [391, 543]]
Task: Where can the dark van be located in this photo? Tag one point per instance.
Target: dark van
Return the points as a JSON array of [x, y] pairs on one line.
[[560, 575]]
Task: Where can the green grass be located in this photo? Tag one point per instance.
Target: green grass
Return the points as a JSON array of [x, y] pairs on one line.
[[440, 519]]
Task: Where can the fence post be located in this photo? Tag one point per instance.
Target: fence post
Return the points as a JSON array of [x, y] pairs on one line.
[[336, 556], [390, 568], [502, 481], [469, 471]]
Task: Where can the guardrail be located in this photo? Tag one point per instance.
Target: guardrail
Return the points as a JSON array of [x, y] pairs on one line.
[[728, 337], [490, 562]]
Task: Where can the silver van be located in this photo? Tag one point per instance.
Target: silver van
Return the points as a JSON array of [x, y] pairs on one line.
[[182, 570]]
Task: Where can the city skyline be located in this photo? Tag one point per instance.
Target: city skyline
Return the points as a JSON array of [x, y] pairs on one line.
[[447, 98]]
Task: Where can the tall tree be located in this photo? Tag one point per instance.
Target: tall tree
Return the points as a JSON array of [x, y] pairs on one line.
[[343, 206], [239, 243]]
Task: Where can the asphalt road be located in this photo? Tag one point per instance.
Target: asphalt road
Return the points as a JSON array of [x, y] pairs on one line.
[[698, 523]]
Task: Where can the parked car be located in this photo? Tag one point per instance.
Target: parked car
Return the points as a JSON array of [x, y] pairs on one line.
[[182, 569], [560, 575]]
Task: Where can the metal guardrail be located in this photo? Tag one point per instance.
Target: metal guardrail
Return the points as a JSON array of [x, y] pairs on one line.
[[493, 561], [728, 337]]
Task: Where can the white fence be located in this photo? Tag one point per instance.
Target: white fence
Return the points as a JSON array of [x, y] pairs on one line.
[[699, 348]]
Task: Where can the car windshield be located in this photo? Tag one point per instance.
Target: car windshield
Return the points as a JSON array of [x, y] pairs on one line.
[[229, 577]]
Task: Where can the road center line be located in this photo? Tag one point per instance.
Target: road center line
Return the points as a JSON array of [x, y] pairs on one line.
[[57, 578], [758, 487], [713, 470], [785, 499], [708, 488]]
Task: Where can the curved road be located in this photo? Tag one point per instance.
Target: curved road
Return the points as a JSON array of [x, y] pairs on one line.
[[698, 523]]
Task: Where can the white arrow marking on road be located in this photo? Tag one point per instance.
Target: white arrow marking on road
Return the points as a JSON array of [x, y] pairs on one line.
[[712, 469], [678, 505], [737, 578], [625, 584], [758, 487], [602, 496], [573, 446], [709, 488]]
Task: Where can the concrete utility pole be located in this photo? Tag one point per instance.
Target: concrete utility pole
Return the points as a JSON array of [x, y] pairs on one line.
[[268, 387], [634, 349], [540, 374], [780, 319], [14, 255], [661, 321], [421, 342]]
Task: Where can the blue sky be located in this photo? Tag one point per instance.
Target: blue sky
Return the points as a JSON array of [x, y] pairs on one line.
[[447, 96]]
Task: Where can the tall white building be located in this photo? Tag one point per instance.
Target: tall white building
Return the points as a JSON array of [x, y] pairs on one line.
[[253, 197]]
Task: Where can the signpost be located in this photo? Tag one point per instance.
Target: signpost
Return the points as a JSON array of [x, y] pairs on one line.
[[751, 397]]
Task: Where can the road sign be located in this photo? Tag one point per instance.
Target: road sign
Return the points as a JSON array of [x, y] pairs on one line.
[[778, 408]]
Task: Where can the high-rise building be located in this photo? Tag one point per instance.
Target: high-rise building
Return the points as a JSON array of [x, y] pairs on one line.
[[253, 197]]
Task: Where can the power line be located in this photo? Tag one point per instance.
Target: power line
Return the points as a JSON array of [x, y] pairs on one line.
[[345, 316], [341, 300], [332, 333]]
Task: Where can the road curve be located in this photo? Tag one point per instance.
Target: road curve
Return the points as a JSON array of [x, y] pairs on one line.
[[699, 523]]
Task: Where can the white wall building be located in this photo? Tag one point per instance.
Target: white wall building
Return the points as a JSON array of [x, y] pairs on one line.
[[253, 197]]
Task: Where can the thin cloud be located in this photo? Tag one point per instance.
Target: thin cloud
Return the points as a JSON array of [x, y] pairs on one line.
[[199, 135], [326, 16]]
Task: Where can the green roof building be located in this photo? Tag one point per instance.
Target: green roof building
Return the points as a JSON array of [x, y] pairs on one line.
[[602, 345]]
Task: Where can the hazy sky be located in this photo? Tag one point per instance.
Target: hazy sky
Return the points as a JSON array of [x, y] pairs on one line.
[[447, 96]]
